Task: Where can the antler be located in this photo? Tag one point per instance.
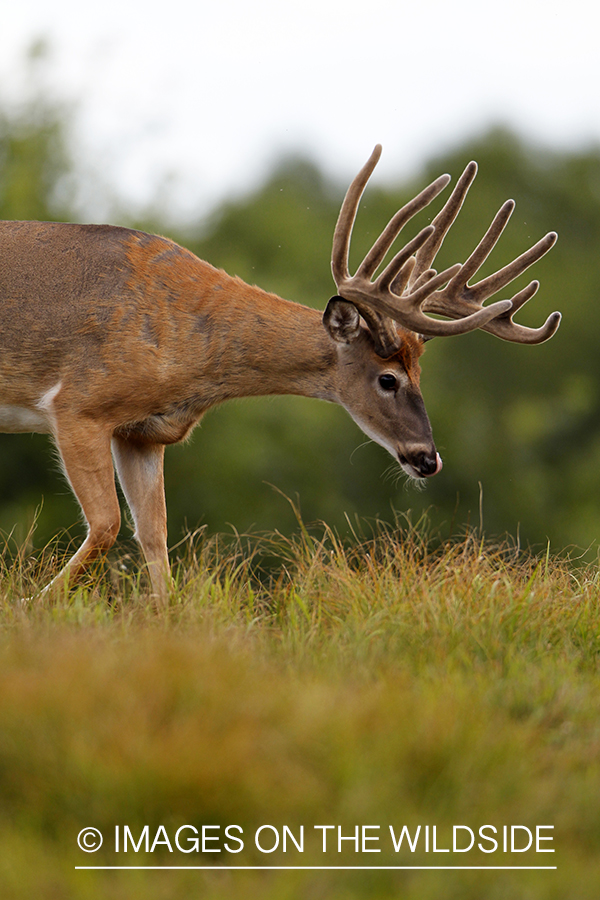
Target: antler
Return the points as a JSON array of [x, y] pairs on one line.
[[458, 298], [408, 287]]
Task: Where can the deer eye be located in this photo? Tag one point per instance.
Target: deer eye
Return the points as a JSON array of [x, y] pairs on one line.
[[388, 382]]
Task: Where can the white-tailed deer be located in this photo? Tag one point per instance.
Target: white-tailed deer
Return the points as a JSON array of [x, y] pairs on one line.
[[116, 343]]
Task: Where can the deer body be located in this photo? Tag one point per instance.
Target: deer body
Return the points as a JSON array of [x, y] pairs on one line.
[[117, 342], [141, 332]]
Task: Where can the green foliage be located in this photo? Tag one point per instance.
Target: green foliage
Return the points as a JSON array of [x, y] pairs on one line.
[[517, 425], [34, 159], [378, 682], [523, 421], [34, 174]]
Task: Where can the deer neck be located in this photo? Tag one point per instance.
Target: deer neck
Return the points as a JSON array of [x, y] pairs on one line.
[[260, 344]]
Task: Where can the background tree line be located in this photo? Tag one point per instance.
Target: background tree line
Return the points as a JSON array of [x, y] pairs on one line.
[[516, 425]]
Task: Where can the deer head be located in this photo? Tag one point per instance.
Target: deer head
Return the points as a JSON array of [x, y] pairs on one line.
[[381, 321]]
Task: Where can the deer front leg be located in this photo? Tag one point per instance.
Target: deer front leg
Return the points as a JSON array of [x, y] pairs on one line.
[[84, 447], [140, 468]]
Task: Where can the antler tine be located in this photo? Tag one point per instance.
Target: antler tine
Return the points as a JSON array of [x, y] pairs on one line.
[[504, 327], [347, 216], [443, 221], [343, 228], [494, 283], [487, 243], [376, 254]]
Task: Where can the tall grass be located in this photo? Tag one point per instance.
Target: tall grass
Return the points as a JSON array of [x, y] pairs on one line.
[[387, 680]]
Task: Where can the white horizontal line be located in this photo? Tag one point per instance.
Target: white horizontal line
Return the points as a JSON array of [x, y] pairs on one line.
[[317, 868]]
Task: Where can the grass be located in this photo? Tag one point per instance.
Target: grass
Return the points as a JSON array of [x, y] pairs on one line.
[[386, 681]]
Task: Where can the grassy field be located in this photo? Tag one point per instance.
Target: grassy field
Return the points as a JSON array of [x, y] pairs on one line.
[[388, 681]]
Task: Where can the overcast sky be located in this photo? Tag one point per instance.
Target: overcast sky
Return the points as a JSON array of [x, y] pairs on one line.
[[212, 92]]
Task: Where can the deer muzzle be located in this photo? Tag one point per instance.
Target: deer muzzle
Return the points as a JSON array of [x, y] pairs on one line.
[[424, 463]]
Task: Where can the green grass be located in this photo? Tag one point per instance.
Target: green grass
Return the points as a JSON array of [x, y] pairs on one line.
[[303, 682]]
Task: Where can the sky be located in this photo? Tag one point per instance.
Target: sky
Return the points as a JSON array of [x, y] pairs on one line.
[[198, 99]]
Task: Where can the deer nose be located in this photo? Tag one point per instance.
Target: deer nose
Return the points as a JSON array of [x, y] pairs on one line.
[[424, 462]]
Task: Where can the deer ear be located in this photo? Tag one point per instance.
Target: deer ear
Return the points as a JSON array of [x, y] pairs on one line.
[[342, 320]]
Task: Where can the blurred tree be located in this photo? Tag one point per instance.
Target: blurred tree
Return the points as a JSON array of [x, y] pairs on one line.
[[525, 421], [34, 175], [521, 421], [34, 159]]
